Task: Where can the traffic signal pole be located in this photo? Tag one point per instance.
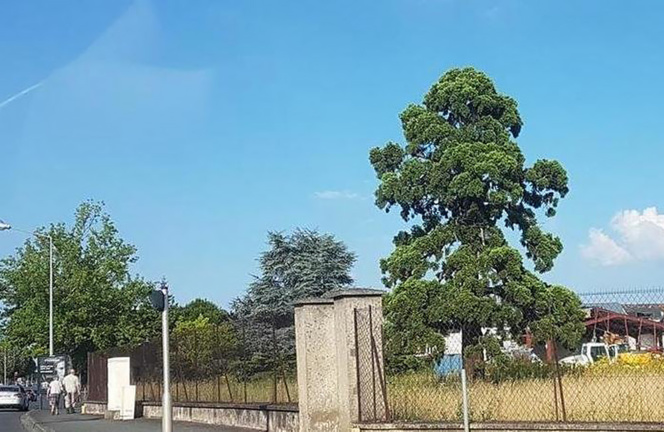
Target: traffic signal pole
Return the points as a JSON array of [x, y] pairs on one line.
[[166, 404]]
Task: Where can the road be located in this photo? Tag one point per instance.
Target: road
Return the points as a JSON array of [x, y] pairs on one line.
[[11, 421]]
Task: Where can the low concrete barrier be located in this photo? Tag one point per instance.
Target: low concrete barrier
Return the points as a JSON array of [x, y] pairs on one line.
[[94, 408], [508, 427], [272, 418], [268, 418]]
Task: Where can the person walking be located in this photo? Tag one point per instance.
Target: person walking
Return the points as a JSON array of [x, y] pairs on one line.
[[53, 393], [72, 387]]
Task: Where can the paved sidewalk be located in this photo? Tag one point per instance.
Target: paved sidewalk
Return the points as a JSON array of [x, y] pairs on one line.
[[85, 423]]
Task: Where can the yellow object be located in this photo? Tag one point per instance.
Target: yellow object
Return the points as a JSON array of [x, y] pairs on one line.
[[635, 359]]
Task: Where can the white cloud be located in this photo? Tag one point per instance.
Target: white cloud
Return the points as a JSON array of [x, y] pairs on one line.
[[640, 237], [642, 233], [603, 250], [336, 195]]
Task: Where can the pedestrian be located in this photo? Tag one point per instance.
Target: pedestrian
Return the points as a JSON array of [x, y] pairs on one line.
[[53, 393], [72, 387]]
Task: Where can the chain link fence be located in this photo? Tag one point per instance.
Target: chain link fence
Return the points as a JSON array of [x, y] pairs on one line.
[[212, 363], [371, 385], [616, 374]]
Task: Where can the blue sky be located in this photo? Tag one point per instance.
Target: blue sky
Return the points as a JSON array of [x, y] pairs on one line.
[[203, 125]]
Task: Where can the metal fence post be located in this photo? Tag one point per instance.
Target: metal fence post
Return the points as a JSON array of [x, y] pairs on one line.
[[196, 371], [274, 363], [357, 367], [560, 383], [464, 391]]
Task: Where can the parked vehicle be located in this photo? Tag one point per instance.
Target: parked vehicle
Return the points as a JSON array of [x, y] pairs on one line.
[[616, 349], [590, 353], [14, 396]]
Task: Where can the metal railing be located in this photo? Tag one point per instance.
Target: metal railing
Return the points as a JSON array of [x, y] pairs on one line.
[[226, 363]]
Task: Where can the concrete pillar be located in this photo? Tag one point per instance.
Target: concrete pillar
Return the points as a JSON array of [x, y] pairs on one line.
[[316, 366], [345, 305], [327, 361]]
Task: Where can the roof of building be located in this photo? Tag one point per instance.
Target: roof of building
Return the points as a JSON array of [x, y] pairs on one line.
[[612, 307]]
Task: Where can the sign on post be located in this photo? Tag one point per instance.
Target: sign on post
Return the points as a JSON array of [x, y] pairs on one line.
[[53, 367]]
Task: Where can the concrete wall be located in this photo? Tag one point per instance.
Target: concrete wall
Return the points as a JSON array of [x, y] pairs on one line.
[[94, 408], [258, 417], [508, 427], [267, 418]]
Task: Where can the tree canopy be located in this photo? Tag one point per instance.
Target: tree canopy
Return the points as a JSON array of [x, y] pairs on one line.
[[97, 302], [302, 264], [459, 178], [198, 308]]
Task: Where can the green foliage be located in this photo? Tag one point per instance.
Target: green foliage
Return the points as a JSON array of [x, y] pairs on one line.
[[505, 368], [399, 364], [303, 264], [97, 303], [201, 308], [202, 348], [14, 360], [296, 266], [459, 176]]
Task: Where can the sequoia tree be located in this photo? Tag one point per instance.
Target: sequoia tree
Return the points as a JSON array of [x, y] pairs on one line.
[[459, 179]]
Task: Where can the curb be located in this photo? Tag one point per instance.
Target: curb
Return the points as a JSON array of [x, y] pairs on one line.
[[31, 425]]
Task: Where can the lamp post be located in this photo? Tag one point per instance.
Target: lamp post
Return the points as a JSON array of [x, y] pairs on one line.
[[5, 227]]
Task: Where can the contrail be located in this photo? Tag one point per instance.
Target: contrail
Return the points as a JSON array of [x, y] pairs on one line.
[[19, 94]]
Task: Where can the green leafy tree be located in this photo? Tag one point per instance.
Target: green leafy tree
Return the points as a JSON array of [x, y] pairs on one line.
[[461, 176], [98, 304], [202, 308]]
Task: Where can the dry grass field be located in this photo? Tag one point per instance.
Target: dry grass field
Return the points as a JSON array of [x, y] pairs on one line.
[[629, 391], [217, 390], [624, 396]]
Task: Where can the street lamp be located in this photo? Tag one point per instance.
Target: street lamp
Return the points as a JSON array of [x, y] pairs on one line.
[[5, 227]]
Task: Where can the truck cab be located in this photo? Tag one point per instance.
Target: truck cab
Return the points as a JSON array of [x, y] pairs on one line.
[[591, 352], [616, 349]]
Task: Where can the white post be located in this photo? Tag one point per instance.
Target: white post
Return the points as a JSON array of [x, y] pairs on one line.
[[464, 391], [50, 296], [167, 411], [5, 365]]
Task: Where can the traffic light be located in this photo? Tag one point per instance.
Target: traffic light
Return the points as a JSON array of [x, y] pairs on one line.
[[158, 300]]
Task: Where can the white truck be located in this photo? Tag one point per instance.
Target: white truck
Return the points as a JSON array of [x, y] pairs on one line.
[[592, 351]]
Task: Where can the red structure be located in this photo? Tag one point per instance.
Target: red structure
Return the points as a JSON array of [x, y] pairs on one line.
[[626, 325]]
